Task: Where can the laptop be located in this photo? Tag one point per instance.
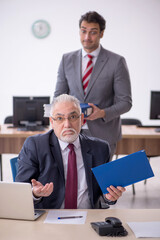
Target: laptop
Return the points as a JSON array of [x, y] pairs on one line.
[[16, 201]]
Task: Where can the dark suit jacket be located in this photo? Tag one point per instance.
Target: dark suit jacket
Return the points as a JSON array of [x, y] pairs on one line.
[[109, 87], [40, 158]]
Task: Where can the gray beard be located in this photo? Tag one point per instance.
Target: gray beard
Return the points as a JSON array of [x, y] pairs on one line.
[[69, 138]]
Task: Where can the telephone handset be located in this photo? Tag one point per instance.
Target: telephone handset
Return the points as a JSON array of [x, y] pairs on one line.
[[115, 222], [111, 227]]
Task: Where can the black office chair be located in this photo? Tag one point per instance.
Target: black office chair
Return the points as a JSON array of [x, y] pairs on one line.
[[131, 121], [8, 119]]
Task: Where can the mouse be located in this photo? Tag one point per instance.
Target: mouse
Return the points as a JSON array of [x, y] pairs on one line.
[[115, 222]]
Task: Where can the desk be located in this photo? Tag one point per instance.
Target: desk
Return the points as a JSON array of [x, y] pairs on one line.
[[133, 139], [37, 230], [11, 140]]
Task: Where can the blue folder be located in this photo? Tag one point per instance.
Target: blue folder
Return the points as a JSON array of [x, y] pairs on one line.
[[86, 109], [124, 171]]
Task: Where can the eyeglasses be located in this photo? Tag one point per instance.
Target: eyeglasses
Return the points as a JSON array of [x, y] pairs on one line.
[[71, 118]]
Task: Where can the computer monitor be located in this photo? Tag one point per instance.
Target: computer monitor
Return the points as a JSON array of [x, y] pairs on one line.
[[28, 113], [155, 106]]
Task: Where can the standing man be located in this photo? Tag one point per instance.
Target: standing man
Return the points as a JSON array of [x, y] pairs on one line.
[[97, 76], [59, 162]]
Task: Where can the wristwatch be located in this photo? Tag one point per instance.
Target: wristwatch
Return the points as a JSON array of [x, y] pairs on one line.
[[41, 29]]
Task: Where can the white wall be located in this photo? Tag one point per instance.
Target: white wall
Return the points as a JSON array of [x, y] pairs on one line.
[[28, 66]]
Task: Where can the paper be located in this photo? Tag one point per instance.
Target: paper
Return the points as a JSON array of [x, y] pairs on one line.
[[53, 216], [47, 108], [145, 229], [124, 171]]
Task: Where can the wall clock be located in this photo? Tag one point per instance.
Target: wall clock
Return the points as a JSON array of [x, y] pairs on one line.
[[41, 29]]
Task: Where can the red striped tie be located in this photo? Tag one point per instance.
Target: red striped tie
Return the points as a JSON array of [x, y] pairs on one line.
[[87, 73]]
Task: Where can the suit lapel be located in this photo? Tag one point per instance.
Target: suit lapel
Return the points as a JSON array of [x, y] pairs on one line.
[[77, 63], [100, 63], [56, 153], [87, 160]]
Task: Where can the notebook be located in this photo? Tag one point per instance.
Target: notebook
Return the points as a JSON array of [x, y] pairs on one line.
[[16, 201]]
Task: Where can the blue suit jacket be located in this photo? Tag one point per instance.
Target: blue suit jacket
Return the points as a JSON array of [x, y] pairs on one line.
[[40, 158]]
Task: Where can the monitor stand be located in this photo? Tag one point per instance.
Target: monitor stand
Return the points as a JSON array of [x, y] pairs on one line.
[[31, 126]]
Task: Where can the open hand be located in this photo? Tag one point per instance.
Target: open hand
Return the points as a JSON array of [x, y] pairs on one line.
[[40, 190]]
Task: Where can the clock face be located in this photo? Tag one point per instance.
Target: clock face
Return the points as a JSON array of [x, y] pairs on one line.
[[41, 29]]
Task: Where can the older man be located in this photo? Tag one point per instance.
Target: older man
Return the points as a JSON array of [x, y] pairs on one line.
[[58, 163]]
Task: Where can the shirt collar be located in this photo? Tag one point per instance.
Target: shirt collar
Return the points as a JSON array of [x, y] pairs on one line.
[[95, 53], [64, 145]]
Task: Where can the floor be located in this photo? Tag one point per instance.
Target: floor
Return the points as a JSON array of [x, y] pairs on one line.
[[147, 195]]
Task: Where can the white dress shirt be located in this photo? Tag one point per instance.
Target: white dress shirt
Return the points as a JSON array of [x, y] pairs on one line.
[[85, 59], [83, 201]]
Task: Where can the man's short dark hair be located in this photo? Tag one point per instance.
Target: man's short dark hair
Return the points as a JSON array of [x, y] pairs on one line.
[[93, 17]]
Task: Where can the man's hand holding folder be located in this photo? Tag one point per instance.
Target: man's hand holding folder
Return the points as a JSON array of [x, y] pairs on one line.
[[114, 193], [122, 172]]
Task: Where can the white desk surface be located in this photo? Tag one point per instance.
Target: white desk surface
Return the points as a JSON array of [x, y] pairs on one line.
[[38, 230]]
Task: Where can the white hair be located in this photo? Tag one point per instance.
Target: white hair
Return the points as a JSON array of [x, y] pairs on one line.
[[64, 98]]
